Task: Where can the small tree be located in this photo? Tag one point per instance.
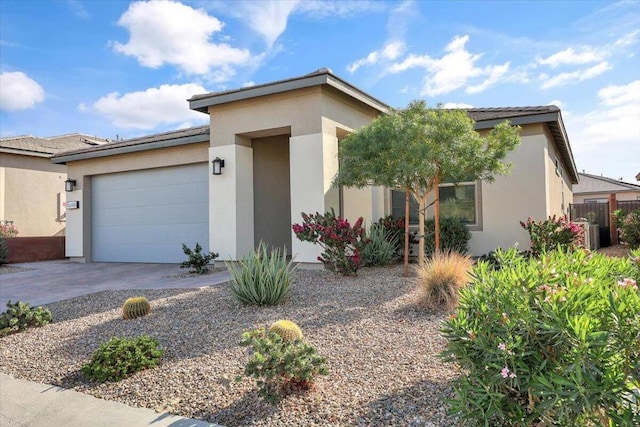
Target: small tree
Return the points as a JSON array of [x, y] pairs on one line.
[[417, 148]]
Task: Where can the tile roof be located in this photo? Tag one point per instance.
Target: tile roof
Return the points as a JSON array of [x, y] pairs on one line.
[[148, 142], [33, 145], [601, 184], [493, 113]]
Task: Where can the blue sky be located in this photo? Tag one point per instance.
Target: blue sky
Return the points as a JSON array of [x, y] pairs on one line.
[[122, 68]]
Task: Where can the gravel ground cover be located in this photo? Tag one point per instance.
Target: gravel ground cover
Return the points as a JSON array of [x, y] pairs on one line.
[[381, 349]]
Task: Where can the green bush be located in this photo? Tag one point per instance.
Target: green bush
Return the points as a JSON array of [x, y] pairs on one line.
[[548, 341], [198, 262], [120, 357], [279, 366], [4, 251], [261, 278], [454, 235], [553, 232], [380, 248], [629, 226], [19, 316], [394, 231]]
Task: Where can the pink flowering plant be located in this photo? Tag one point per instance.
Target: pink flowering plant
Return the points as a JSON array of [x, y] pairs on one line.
[[556, 231], [629, 227], [548, 341], [342, 243], [8, 229]]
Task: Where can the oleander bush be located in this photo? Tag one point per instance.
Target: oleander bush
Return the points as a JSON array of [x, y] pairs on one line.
[[341, 242], [548, 234], [280, 367], [454, 235], [263, 277], [20, 316], [440, 277], [629, 227], [380, 248], [197, 261], [548, 341], [119, 358]]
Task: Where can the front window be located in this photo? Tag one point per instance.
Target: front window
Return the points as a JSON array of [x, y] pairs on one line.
[[461, 200]]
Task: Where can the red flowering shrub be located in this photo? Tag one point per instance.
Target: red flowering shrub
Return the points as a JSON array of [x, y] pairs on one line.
[[548, 234], [341, 242]]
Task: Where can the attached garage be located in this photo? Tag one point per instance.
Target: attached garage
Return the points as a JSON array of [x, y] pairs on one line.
[[146, 215]]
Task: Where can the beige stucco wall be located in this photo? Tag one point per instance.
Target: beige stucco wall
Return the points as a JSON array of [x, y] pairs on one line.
[[559, 187], [31, 194], [78, 235], [627, 195]]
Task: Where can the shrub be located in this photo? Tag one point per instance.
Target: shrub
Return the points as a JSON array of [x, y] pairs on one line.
[[549, 341], [8, 229], [120, 357], [380, 249], [341, 242], [198, 262], [261, 278], [629, 226], [454, 235], [394, 232], [136, 307], [287, 330], [441, 277], [279, 366], [19, 316], [556, 231]]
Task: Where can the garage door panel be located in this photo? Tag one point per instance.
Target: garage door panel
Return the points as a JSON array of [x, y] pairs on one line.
[[145, 216]]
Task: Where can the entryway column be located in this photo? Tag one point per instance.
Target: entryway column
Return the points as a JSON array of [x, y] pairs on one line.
[[231, 202], [313, 165]]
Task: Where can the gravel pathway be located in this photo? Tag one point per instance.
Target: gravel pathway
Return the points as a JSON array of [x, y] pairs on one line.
[[381, 349]]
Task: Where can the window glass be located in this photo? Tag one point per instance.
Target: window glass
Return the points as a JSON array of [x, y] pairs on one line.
[[459, 202], [397, 206]]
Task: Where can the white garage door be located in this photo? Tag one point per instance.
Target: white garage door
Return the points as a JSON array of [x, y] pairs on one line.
[[145, 216]]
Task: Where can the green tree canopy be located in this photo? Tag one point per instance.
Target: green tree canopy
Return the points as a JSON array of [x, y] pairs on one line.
[[416, 148]]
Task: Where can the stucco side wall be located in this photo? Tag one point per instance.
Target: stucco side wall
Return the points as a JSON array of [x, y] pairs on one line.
[[559, 194], [78, 241], [33, 200], [514, 197]]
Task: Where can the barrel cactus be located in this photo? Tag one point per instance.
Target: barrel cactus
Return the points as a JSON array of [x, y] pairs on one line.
[[287, 330], [136, 307]]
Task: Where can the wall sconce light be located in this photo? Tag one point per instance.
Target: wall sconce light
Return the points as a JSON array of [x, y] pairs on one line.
[[69, 184], [218, 164]]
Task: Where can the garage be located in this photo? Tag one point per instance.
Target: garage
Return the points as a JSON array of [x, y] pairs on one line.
[[146, 215]]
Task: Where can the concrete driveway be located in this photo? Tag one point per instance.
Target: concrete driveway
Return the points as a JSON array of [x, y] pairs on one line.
[[50, 281]]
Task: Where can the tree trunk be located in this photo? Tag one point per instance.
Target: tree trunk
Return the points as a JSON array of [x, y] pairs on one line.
[[406, 233], [421, 215], [436, 210]]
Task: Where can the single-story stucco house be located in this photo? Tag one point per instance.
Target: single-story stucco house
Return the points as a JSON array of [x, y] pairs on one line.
[[32, 192], [597, 189], [270, 153]]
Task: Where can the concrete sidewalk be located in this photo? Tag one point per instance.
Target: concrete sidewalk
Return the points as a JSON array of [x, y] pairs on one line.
[[26, 403]]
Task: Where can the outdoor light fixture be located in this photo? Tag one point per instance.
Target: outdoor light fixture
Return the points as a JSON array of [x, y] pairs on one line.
[[218, 164], [69, 184]]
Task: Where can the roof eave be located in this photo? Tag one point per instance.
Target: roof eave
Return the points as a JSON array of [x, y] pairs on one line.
[[561, 140], [202, 103], [25, 152], [63, 158]]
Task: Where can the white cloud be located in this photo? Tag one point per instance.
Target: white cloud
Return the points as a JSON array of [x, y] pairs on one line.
[[340, 8], [269, 18], [19, 92], [570, 56], [249, 83], [166, 32], [452, 71], [150, 108], [390, 52], [456, 105], [576, 76], [605, 139], [78, 9], [557, 103]]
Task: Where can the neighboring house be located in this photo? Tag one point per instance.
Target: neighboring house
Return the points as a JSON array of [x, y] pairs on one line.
[[32, 187], [596, 189], [269, 154]]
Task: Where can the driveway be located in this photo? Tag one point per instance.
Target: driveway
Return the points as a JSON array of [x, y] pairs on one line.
[[50, 281]]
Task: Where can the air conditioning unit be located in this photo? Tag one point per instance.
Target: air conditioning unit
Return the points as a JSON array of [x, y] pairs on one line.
[[591, 234]]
